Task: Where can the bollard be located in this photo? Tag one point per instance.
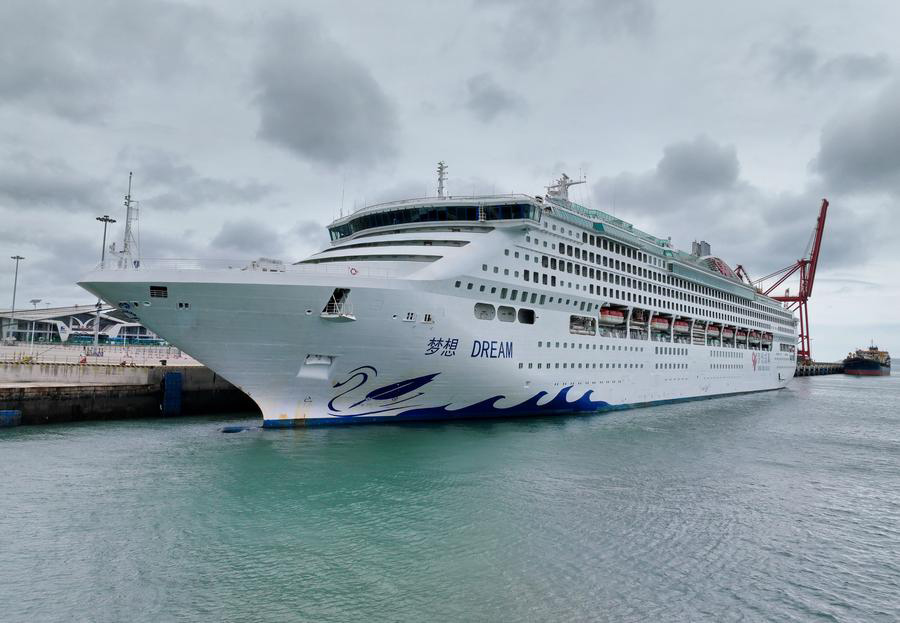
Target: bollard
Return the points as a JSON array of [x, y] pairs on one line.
[[171, 398], [10, 417]]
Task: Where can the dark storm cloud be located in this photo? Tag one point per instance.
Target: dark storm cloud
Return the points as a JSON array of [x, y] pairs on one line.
[[248, 237], [860, 150], [317, 101], [73, 59], [166, 182], [487, 100], [687, 170], [533, 29], [797, 61], [698, 166], [31, 182], [695, 192]]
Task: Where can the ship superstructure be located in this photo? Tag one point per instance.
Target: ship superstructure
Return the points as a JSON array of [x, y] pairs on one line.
[[449, 307]]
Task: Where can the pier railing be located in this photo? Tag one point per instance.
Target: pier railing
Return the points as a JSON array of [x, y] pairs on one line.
[[261, 265], [104, 354]]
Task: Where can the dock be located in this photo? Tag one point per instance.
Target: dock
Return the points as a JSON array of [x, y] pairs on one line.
[[62, 391], [815, 368]]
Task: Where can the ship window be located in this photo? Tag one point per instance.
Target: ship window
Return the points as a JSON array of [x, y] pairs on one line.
[[484, 311], [506, 314], [526, 316], [503, 293], [159, 292]]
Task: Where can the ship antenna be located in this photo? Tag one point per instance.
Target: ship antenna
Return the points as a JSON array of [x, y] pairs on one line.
[[131, 246], [442, 177]]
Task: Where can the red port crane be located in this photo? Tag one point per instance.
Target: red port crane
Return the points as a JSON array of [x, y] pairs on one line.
[[807, 268]]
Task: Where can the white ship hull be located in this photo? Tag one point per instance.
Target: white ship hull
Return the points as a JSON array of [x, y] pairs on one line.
[[265, 333]]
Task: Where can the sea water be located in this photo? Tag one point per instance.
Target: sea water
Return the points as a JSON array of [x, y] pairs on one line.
[[780, 506]]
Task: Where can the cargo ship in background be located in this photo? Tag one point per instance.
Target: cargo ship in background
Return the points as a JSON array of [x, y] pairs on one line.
[[869, 362]]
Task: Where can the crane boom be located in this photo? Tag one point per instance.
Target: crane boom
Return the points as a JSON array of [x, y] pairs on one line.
[[817, 245], [806, 266]]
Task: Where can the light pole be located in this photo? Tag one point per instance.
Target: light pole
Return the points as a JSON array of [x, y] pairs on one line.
[[34, 302], [12, 313], [106, 221]]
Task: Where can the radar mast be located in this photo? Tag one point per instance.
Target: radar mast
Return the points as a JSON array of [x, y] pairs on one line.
[[560, 190]]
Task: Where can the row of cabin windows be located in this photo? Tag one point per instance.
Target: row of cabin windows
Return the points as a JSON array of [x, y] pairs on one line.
[[636, 349], [719, 299], [586, 366], [715, 298], [577, 269], [529, 297]]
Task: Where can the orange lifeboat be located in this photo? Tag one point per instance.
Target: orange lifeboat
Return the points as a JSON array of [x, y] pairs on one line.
[[659, 324], [754, 337], [611, 317], [742, 335], [728, 333], [682, 326], [767, 338], [712, 330]]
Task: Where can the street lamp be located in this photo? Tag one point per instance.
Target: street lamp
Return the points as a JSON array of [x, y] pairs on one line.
[[12, 313], [106, 221]]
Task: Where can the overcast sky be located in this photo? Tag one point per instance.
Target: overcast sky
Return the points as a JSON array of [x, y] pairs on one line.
[[250, 126]]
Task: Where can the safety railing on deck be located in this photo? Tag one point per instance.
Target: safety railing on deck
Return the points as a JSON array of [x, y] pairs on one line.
[[263, 266]]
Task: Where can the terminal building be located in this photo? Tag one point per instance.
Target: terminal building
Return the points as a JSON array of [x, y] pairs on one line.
[[74, 324]]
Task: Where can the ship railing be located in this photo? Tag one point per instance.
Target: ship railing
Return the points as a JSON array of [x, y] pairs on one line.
[[260, 265]]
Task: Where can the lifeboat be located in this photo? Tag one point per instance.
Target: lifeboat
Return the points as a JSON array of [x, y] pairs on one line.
[[659, 324], [754, 337], [767, 338], [727, 333], [682, 326], [639, 318], [712, 330], [742, 335], [611, 317]]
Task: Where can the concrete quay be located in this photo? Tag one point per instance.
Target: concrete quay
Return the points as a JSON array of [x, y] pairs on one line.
[[57, 392]]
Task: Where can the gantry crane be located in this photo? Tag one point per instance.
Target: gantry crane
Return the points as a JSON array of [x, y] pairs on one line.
[[807, 268]]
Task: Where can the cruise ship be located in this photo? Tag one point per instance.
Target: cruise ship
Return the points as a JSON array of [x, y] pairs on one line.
[[466, 307]]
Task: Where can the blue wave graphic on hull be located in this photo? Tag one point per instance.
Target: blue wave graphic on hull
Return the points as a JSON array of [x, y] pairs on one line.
[[380, 402], [488, 408]]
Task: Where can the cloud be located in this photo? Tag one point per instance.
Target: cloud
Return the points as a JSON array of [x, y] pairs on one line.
[[318, 102], [74, 60], [794, 60], [312, 235], [533, 30], [248, 237], [31, 182], [860, 150], [696, 192], [698, 166], [487, 100], [168, 183]]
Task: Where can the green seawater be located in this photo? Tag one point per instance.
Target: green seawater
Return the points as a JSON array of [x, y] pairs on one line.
[[782, 506]]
